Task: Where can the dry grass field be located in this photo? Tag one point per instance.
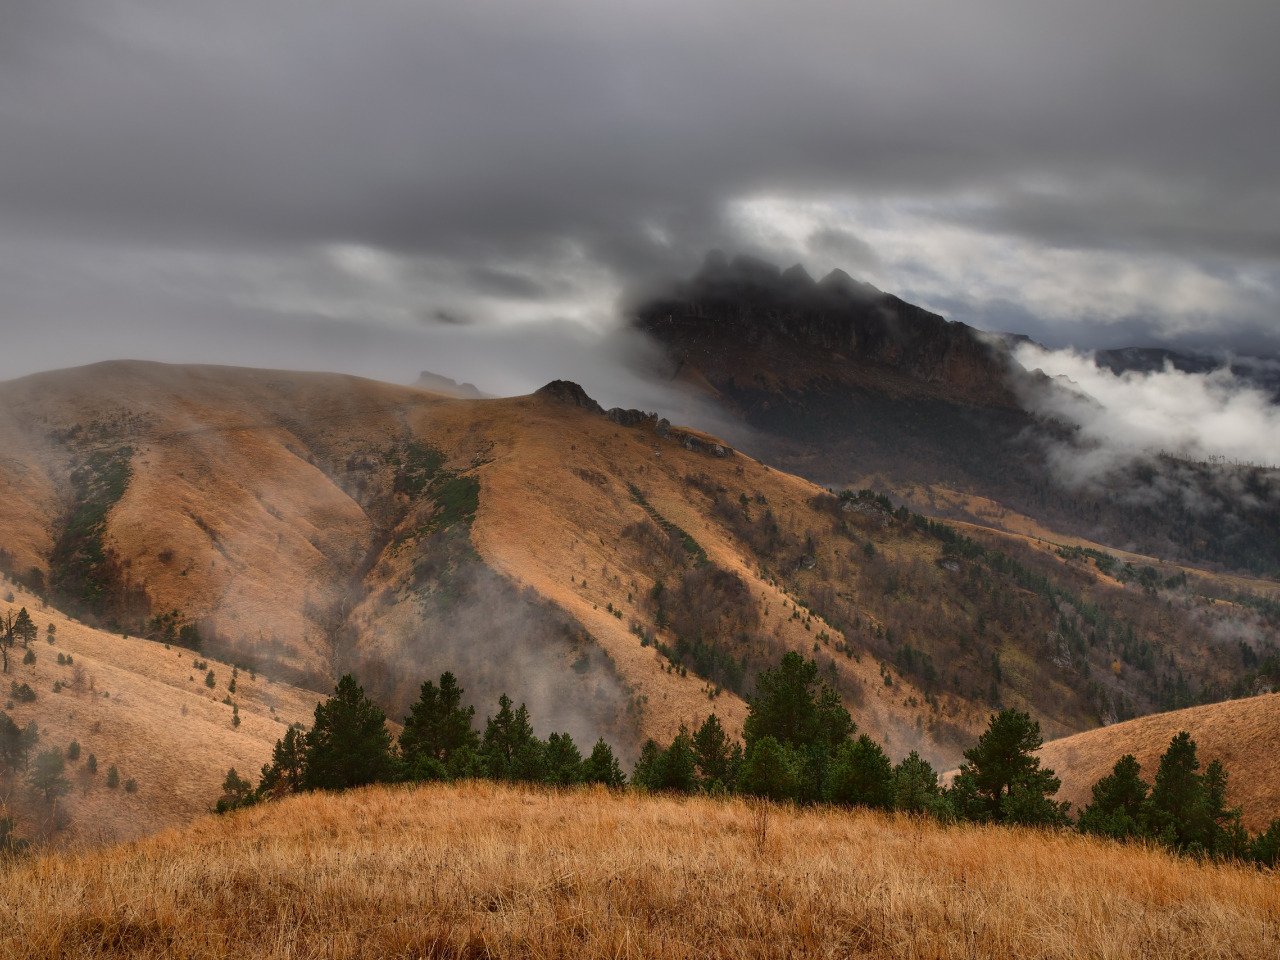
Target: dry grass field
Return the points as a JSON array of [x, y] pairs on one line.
[[479, 870], [1243, 734], [146, 710]]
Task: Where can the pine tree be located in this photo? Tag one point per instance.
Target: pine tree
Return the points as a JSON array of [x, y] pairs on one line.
[[1118, 808], [861, 774], [645, 771], [770, 769], [284, 774], [602, 767], [236, 792], [1178, 812], [437, 729], [48, 777], [1264, 849], [16, 744], [915, 787], [1002, 781], [113, 777], [803, 716], [348, 745], [561, 761], [509, 749], [713, 755], [24, 627]]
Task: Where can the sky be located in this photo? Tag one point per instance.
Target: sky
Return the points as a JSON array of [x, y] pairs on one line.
[[386, 186]]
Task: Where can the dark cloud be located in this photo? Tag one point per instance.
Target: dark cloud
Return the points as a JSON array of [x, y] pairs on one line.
[[542, 155]]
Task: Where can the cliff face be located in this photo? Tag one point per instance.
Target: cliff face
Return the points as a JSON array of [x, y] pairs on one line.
[[737, 319]]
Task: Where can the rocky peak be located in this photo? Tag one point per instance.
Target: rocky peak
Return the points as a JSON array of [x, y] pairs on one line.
[[569, 393]]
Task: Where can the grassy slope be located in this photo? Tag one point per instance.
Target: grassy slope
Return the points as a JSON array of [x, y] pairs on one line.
[[1243, 734], [243, 508], [148, 711], [479, 870]]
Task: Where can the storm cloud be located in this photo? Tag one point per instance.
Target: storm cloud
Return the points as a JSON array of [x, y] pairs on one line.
[[269, 174]]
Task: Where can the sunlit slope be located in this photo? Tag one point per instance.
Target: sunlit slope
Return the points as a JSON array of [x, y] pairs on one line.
[[621, 575], [147, 711], [478, 870], [1243, 734]]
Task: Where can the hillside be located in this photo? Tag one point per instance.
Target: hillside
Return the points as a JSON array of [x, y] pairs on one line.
[[621, 575], [1237, 732], [479, 870], [145, 709]]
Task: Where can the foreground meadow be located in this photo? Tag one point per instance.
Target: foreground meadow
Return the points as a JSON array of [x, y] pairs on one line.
[[481, 870]]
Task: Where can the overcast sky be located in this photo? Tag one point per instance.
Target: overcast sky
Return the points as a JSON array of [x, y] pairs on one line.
[[371, 186]]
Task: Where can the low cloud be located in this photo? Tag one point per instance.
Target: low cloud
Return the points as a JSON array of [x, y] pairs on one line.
[[1124, 418]]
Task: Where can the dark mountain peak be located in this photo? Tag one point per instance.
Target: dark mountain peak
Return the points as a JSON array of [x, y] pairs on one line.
[[747, 315], [568, 393], [797, 276]]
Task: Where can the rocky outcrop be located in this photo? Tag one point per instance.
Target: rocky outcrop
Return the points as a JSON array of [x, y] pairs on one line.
[[572, 394], [569, 393]]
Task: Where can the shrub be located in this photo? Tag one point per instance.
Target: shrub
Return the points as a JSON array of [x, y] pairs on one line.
[[113, 777], [131, 786], [73, 750]]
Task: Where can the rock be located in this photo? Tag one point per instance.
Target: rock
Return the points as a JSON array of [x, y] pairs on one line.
[[569, 393]]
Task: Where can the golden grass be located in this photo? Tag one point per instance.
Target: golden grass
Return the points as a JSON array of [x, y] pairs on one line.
[[479, 870], [147, 711], [1243, 734]]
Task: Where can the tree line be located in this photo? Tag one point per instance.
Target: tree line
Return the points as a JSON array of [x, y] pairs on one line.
[[799, 744]]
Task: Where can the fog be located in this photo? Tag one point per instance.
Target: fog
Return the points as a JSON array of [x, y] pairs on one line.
[[1126, 417]]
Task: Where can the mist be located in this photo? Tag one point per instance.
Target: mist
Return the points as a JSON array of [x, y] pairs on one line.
[[1129, 417]]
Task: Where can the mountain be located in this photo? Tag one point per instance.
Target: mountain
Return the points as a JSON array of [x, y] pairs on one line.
[[849, 386], [483, 870], [620, 574], [1237, 732]]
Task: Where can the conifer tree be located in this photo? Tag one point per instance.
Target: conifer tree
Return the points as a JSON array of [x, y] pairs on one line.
[[803, 716], [16, 744], [713, 755], [915, 787], [284, 774], [236, 792], [771, 770], [861, 774], [1178, 813], [1118, 809], [348, 745], [602, 767], [48, 775], [510, 750], [24, 627], [1002, 781], [437, 730], [561, 761]]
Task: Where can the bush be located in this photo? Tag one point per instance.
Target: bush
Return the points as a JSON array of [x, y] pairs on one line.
[[21, 692], [91, 764], [131, 786], [113, 777], [73, 750], [29, 657], [209, 680]]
